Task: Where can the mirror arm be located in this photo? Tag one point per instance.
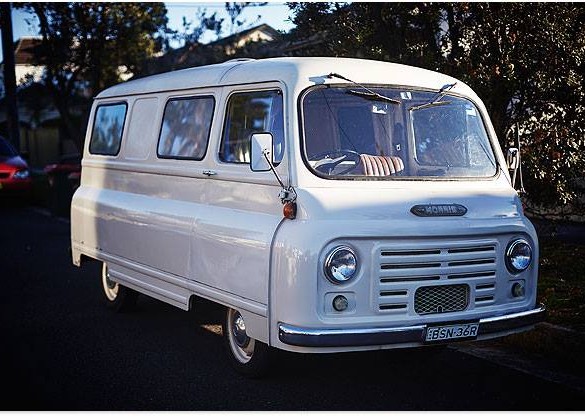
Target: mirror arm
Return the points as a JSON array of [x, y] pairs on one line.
[[287, 194]]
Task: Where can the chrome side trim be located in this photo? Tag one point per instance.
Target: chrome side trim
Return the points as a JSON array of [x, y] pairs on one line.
[[311, 337]]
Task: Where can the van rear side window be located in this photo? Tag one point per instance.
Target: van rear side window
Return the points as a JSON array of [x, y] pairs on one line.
[[108, 127], [185, 128]]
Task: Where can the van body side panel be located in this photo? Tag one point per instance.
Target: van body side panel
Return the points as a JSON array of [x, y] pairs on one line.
[[144, 217]]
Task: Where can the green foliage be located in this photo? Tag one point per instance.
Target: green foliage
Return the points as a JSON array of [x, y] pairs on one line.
[[525, 60], [561, 287], [87, 47]]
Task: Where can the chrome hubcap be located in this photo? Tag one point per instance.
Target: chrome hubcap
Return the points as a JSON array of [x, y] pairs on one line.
[[110, 287], [239, 331], [242, 346]]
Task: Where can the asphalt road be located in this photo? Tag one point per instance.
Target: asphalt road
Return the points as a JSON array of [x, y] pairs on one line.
[[61, 349]]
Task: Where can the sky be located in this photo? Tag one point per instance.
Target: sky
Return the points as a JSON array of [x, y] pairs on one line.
[[275, 14]]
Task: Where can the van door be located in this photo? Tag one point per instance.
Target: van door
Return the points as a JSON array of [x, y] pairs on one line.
[[232, 240]]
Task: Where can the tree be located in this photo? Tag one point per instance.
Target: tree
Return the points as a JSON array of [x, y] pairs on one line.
[[87, 47], [9, 75], [205, 22], [525, 60]]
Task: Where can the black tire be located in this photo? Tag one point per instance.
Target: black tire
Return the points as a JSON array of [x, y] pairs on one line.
[[249, 357], [117, 297]]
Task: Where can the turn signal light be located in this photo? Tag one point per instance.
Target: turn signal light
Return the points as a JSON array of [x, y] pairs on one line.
[[289, 210]]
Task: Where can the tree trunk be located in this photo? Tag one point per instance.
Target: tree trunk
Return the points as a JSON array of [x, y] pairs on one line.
[[9, 75]]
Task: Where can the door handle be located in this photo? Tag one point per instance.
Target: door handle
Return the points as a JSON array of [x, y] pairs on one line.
[[209, 173]]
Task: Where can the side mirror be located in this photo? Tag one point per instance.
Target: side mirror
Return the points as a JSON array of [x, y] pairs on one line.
[[261, 148], [513, 159]]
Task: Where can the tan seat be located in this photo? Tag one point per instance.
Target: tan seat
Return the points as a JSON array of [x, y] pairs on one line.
[[377, 165]]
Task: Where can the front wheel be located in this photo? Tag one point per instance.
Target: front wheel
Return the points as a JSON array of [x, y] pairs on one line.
[[118, 298], [248, 356]]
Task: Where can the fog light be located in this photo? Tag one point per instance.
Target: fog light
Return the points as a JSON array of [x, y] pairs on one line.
[[518, 290], [340, 303]]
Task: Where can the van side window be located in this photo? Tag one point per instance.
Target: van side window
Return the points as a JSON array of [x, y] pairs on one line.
[[186, 127], [108, 126], [248, 113]]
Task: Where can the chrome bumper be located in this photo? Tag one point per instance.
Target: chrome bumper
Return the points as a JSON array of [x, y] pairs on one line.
[[310, 337]]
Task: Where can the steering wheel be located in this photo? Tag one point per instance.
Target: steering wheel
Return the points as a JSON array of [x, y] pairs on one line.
[[328, 160]]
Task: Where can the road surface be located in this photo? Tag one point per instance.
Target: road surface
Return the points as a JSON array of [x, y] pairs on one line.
[[62, 349]]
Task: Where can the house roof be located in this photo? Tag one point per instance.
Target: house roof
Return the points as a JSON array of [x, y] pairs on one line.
[[198, 54], [236, 37], [24, 50]]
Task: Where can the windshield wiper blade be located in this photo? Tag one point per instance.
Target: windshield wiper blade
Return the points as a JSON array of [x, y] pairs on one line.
[[370, 93], [430, 104], [373, 96], [435, 101]]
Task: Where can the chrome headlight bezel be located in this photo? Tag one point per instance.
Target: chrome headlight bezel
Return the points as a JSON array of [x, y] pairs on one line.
[[513, 266], [334, 255]]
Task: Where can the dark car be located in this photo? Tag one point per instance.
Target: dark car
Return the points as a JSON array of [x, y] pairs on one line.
[[68, 166], [63, 178], [15, 180]]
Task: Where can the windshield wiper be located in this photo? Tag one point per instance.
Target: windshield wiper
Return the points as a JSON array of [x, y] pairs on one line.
[[435, 101], [372, 96], [369, 94]]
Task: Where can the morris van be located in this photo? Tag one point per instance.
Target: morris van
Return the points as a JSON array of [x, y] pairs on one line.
[[328, 204]]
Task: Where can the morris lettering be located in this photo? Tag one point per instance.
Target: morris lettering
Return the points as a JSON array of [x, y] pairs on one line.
[[438, 210]]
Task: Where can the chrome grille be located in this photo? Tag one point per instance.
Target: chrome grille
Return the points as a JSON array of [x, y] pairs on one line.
[[441, 299]]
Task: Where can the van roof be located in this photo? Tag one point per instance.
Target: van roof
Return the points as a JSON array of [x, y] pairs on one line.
[[306, 70]]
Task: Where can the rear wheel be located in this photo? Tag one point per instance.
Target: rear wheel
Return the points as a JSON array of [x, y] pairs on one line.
[[248, 356], [118, 297]]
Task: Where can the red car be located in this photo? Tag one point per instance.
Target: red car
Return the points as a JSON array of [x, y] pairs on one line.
[[15, 177], [68, 166]]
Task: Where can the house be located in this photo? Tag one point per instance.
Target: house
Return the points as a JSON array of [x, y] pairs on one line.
[[258, 41], [39, 119], [26, 70]]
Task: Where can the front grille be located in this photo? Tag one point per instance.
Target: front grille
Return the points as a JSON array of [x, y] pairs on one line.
[[441, 299], [405, 266]]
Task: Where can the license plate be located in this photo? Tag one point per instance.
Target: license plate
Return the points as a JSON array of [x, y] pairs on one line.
[[451, 332]]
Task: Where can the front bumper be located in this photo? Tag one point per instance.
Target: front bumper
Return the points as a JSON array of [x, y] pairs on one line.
[[311, 337]]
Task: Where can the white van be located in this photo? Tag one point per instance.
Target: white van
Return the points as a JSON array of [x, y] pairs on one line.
[[329, 204]]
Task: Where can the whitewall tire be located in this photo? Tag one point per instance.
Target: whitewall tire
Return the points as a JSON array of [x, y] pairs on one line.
[[248, 356], [117, 297]]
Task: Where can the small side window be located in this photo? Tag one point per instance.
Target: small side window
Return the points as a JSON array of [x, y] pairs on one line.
[[108, 126], [186, 127], [248, 113]]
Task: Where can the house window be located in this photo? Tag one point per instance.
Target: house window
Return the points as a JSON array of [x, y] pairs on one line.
[[108, 126], [248, 113], [186, 127]]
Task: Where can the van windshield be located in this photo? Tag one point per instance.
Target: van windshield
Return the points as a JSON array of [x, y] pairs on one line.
[[350, 133]]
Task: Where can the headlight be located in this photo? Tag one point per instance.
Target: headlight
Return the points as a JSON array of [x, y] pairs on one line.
[[518, 256], [340, 265], [20, 175]]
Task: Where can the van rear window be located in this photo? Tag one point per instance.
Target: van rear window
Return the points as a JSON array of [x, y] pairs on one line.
[[108, 127], [185, 128]]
